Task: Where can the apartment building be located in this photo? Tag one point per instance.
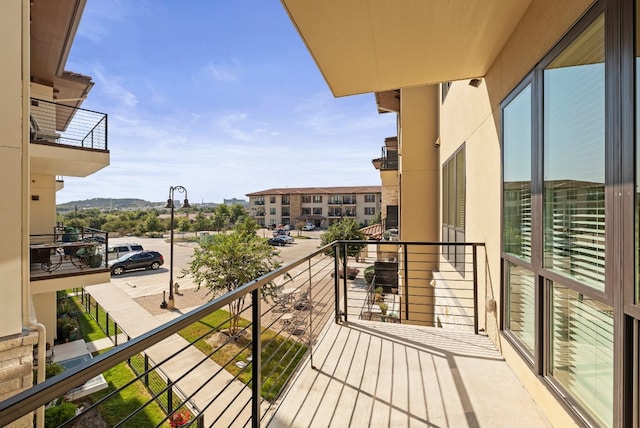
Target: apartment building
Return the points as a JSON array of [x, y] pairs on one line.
[[46, 136], [517, 128], [321, 206]]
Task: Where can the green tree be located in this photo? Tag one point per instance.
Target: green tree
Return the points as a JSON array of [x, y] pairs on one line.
[[218, 221], [201, 222], [236, 212], [184, 225], [152, 223], [228, 261], [344, 230]]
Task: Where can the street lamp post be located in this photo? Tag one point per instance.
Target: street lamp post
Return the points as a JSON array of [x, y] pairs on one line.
[[170, 204]]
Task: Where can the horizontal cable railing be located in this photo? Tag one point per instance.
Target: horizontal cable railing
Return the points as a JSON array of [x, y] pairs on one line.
[[431, 284], [209, 367], [230, 370], [54, 123]]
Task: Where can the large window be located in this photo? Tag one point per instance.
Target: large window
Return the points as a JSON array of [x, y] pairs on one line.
[[370, 198], [574, 130], [557, 310], [516, 187], [582, 351], [317, 199], [520, 285], [453, 207], [306, 199]]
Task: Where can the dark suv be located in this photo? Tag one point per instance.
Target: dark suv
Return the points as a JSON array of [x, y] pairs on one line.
[[136, 260]]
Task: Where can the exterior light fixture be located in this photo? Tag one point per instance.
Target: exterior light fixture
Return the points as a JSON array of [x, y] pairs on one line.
[[170, 304]]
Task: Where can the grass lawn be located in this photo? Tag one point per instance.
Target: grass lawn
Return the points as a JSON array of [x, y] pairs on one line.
[[90, 329], [280, 356], [116, 408]]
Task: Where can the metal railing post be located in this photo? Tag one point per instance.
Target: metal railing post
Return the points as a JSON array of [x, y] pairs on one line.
[[336, 282], [344, 281], [146, 370], [310, 344], [256, 361], [107, 324], [405, 268], [475, 289], [169, 396]]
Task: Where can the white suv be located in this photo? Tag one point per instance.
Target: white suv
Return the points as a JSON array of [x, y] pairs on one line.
[[308, 226], [121, 249]]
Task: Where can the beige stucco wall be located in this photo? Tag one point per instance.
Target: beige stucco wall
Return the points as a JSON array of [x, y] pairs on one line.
[[418, 214], [12, 174], [471, 116], [46, 308], [43, 204], [418, 163]]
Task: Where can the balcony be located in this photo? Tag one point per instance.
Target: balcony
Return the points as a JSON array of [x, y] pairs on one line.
[[63, 255], [394, 342], [389, 159], [67, 140]]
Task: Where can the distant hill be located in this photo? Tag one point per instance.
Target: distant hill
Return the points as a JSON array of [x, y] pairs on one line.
[[109, 204]]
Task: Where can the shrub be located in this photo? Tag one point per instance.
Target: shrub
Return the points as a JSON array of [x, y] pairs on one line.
[[59, 414]]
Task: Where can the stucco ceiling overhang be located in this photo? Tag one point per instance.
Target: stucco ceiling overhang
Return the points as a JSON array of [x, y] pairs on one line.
[[363, 46], [53, 28]]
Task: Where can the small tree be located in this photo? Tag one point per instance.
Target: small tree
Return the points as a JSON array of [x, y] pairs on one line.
[[344, 230], [228, 261]]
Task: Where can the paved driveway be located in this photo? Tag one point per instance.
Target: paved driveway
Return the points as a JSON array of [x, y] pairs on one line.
[[145, 283]]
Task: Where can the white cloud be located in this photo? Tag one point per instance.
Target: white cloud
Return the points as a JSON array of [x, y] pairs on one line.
[[222, 73], [112, 88]]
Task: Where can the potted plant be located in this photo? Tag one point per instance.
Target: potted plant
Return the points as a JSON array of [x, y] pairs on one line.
[[378, 294], [179, 418], [369, 273], [383, 308]]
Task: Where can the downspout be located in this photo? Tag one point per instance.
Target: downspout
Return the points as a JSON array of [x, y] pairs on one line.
[[28, 312]]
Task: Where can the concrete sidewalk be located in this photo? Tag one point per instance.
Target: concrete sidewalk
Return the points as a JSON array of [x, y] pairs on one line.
[[135, 321]]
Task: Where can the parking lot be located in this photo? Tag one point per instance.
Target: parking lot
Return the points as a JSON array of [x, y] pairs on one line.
[[153, 282]]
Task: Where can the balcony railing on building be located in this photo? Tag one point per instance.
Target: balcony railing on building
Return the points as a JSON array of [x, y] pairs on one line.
[[67, 252], [53, 123], [238, 376], [389, 159]]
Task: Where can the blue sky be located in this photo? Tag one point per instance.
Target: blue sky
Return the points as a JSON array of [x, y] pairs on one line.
[[221, 97]]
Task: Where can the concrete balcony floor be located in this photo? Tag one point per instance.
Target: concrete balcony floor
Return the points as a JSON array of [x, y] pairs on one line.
[[372, 374]]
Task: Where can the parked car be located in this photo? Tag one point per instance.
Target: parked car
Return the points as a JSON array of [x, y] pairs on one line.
[[95, 238], [276, 241], [286, 238], [280, 232], [136, 260], [309, 226]]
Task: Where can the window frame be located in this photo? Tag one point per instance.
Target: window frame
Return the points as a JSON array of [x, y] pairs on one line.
[[621, 152], [451, 230]]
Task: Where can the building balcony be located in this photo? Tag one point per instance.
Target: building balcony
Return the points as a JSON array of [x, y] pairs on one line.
[[64, 255], [67, 140], [397, 341]]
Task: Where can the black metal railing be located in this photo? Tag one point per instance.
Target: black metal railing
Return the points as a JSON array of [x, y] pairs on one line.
[[389, 159], [411, 282], [234, 368], [54, 123], [105, 320], [77, 251]]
